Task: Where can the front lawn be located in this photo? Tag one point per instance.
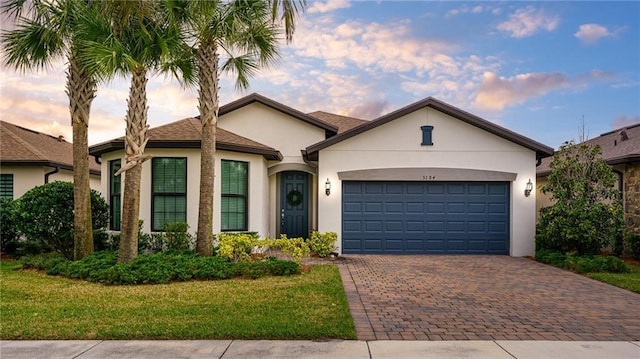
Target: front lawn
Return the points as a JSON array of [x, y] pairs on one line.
[[630, 281], [307, 306]]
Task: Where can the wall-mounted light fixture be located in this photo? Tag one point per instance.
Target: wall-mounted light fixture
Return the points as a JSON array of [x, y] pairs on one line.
[[327, 187], [528, 189]]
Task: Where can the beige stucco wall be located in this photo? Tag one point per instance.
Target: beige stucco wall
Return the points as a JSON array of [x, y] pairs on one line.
[[455, 145], [27, 177], [258, 186], [273, 128]]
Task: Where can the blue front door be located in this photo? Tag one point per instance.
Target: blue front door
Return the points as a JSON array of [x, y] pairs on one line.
[[294, 204]]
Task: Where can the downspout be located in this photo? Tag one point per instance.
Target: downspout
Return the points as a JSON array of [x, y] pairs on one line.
[[539, 162], [56, 169], [98, 159]]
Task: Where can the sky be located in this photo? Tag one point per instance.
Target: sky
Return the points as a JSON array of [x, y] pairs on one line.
[[546, 70]]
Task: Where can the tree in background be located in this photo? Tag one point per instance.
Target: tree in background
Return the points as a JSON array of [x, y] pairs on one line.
[[46, 31], [587, 212]]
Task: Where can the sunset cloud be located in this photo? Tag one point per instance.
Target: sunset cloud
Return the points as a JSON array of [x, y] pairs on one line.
[[496, 93], [592, 33], [327, 6], [527, 21]]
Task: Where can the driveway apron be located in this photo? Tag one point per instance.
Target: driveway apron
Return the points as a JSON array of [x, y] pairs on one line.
[[419, 297]]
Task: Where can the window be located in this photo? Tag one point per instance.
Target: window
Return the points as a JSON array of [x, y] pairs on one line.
[[427, 135], [6, 186], [169, 191], [234, 195], [115, 204]]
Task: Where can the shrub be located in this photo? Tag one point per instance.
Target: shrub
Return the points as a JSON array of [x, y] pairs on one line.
[[236, 246], [587, 214], [632, 244], [156, 268], [45, 213], [271, 266], [8, 230], [582, 264], [322, 244], [600, 264], [177, 236], [295, 248]]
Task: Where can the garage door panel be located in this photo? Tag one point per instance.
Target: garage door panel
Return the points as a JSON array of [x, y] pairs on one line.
[[426, 217]]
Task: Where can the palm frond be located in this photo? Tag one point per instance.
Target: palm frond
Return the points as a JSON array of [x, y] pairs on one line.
[[242, 67]]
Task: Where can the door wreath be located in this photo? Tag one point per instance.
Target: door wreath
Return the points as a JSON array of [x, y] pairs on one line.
[[294, 198]]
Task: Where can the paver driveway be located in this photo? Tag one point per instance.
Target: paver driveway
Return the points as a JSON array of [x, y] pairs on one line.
[[482, 298]]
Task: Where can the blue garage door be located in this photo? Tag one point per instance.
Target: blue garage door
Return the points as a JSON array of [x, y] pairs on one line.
[[425, 217]]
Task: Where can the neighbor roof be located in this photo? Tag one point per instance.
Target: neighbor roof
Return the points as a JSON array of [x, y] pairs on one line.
[[254, 97], [618, 146], [540, 149], [20, 146], [343, 123], [187, 133]]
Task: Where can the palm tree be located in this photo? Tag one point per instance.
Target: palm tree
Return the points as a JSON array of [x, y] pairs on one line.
[[136, 39], [246, 33], [48, 32]]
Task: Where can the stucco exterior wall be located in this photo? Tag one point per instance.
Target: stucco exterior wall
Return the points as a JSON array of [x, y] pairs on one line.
[[273, 128], [456, 144], [258, 216], [27, 177]]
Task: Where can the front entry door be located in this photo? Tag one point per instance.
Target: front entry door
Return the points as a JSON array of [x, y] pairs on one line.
[[294, 204]]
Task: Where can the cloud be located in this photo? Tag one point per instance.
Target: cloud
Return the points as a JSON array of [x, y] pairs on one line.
[[370, 110], [527, 21], [327, 6], [624, 121], [495, 93], [592, 33], [477, 9]]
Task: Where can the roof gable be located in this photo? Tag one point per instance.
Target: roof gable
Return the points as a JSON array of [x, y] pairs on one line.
[[618, 146], [540, 149], [187, 133], [254, 97], [22, 146]]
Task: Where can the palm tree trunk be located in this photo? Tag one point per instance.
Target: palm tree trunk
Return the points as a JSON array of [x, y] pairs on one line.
[[81, 90], [208, 105], [135, 142]]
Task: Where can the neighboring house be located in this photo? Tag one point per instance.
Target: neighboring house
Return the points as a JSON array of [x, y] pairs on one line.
[[29, 159], [621, 150], [428, 178]]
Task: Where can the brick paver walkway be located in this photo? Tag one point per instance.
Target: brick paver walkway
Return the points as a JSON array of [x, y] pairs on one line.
[[482, 298]]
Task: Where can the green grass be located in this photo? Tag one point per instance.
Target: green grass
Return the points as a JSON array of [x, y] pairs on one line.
[[630, 281], [307, 306]]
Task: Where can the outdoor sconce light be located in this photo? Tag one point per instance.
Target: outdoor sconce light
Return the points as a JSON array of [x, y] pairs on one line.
[[528, 189], [327, 187]]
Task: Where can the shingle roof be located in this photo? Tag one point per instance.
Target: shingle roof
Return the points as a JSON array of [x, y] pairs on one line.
[[343, 123], [21, 146], [618, 146], [187, 133], [540, 149]]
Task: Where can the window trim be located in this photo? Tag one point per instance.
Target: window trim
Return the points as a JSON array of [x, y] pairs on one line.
[[167, 194], [230, 195], [112, 195]]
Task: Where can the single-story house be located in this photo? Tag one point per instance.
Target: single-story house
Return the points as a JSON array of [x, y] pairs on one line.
[[621, 150], [428, 178], [29, 158]]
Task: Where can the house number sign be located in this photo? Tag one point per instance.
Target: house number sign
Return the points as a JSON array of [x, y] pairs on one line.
[[428, 178]]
